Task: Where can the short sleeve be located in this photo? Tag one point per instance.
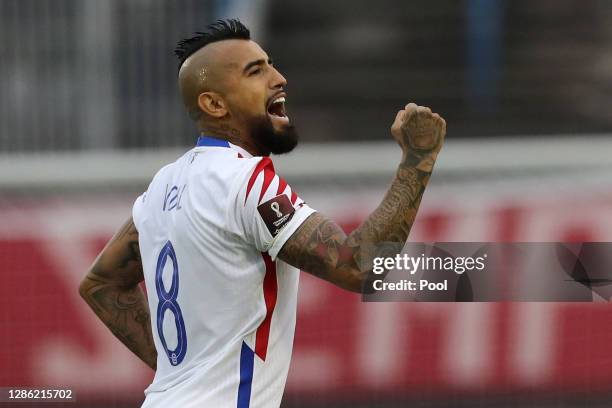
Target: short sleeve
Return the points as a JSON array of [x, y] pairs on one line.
[[265, 210], [137, 209]]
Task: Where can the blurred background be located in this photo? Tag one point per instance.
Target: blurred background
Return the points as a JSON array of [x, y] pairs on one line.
[[89, 110]]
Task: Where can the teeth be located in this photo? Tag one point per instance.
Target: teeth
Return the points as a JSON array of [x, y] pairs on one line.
[[279, 100]]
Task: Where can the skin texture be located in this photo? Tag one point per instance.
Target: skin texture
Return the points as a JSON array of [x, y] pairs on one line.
[[321, 248], [111, 289], [223, 96]]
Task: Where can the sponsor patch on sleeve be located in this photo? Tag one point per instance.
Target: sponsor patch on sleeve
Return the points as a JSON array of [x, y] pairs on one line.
[[276, 212]]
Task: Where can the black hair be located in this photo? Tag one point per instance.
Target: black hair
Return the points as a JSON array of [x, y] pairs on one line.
[[228, 29]]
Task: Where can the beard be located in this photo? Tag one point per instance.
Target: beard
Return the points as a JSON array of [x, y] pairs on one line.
[[270, 140]]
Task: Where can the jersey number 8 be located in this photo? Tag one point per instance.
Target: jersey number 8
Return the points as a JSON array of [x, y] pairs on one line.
[[167, 300]]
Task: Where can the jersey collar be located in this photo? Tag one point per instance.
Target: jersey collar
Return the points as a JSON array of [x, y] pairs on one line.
[[209, 141]]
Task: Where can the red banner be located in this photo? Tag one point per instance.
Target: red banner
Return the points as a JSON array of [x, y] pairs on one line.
[[50, 338]]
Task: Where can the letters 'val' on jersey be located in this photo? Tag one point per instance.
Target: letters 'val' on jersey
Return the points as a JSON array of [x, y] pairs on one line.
[[222, 306]]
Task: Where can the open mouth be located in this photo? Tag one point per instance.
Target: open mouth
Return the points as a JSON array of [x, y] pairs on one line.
[[276, 108]]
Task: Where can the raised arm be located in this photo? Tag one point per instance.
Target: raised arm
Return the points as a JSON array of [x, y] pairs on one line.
[[111, 290], [321, 248]]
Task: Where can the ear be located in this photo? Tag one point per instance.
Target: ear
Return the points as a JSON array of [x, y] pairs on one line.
[[212, 104]]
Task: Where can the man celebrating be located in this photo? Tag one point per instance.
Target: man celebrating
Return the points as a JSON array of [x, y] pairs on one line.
[[219, 237]]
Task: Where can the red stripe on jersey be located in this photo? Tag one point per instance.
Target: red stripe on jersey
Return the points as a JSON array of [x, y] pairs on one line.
[[282, 184], [293, 197], [263, 164], [270, 289], [268, 177]]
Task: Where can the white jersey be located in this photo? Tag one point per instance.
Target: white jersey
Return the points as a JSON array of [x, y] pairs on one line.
[[222, 306]]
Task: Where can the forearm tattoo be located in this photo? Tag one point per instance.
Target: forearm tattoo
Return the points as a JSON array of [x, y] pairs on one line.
[[320, 247], [125, 312]]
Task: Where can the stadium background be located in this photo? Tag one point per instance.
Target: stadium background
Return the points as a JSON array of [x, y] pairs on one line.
[[89, 111]]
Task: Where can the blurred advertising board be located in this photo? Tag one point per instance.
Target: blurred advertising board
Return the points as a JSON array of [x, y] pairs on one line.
[[50, 338]]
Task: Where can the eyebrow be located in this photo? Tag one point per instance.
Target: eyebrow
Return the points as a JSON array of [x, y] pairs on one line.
[[255, 63]]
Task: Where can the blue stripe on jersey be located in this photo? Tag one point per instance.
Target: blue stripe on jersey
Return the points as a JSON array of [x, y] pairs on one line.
[[247, 360], [211, 141]]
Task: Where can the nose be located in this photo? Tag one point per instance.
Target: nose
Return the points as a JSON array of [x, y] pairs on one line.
[[278, 80]]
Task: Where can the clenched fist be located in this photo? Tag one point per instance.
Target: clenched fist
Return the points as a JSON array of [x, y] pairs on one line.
[[420, 133]]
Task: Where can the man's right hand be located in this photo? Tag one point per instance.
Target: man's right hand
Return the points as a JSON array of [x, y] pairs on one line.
[[420, 133]]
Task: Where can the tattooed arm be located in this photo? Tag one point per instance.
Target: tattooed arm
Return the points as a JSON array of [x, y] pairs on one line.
[[111, 290], [320, 246]]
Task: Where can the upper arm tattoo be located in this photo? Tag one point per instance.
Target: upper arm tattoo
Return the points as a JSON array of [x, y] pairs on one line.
[[320, 247], [120, 259]]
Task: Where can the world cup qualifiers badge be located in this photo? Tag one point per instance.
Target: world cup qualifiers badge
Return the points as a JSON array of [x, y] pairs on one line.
[[276, 212]]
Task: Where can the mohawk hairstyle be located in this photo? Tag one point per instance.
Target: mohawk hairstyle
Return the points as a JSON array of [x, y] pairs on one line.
[[220, 30]]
